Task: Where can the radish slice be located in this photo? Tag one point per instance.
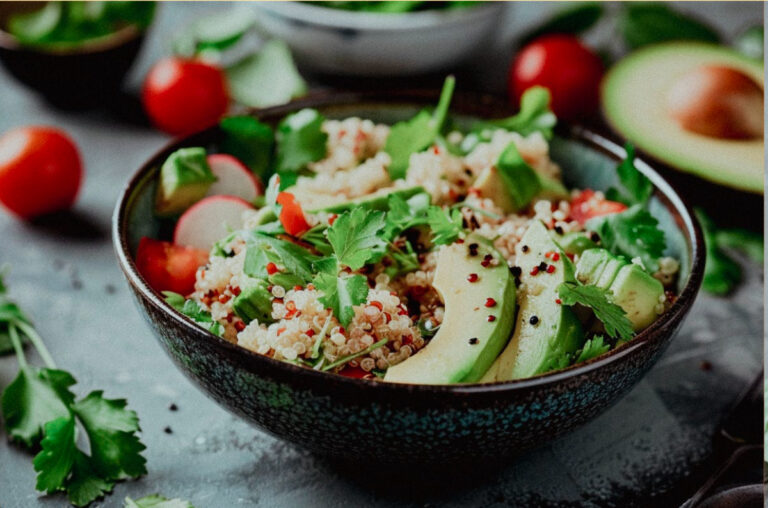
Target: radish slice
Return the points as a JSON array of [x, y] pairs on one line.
[[233, 178], [209, 220]]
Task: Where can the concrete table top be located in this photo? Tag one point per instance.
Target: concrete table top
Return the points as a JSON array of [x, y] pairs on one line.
[[66, 277]]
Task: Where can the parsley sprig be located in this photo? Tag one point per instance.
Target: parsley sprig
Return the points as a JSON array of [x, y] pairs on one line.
[[40, 410], [635, 187], [600, 300]]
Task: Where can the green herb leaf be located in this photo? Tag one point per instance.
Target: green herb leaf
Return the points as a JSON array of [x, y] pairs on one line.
[[417, 134], [446, 225], [650, 23], [55, 460], [156, 501], [600, 301], [593, 348], [261, 249], [402, 261], [34, 398], [85, 485], [633, 233], [748, 242], [341, 293], [535, 116], [192, 309], [404, 214], [266, 78], [636, 188], [300, 140], [356, 237], [250, 141], [721, 273], [349, 358], [571, 20], [35, 26]]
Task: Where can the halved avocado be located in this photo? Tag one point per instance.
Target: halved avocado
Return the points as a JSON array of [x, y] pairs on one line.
[[635, 101]]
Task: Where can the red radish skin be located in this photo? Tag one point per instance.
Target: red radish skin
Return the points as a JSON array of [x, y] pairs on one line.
[[209, 220], [718, 102], [169, 267], [233, 178]]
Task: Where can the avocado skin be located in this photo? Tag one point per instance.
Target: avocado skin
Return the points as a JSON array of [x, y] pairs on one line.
[[466, 343], [537, 346], [184, 179]]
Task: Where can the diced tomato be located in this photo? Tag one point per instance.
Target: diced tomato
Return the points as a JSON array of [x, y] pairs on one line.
[[291, 216], [354, 372], [169, 267], [584, 207]]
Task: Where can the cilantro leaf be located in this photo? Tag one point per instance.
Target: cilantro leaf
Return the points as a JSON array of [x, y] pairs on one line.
[[404, 214], [600, 301], [633, 233], [593, 348], [249, 140], [446, 225], [115, 448], [300, 140], [721, 272], [341, 293], [192, 309], [33, 399], [403, 261], [261, 249], [417, 134], [85, 485], [55, 460], [636, 188], [748, 242], [9, 313], [315, 236], [535, 115], [156, 501], [355, 237]]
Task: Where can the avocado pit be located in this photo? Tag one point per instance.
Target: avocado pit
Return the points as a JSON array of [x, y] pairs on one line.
[[718, 102]]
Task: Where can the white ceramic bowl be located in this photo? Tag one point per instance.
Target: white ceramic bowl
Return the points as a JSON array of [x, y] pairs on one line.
[[343, 42]]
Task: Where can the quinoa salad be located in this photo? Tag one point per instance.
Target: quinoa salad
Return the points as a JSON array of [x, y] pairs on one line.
[[416, 252]]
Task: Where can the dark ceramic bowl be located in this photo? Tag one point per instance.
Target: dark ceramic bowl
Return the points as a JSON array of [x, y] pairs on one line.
[[378, 422], [85, 75]]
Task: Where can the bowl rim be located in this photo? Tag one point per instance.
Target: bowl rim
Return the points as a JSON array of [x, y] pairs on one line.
[[257, 363], [340, 19]]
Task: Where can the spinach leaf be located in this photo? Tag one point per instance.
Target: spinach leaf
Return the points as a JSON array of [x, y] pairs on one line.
[[417, 134], [649, 23]]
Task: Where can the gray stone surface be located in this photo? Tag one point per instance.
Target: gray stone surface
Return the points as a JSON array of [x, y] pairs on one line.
[[68, 280]]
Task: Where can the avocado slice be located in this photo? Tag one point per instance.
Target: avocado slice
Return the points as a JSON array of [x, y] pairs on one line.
[[512, 184], [467, 342], [185, 177], [254, 302], [545, 330], [634, 290], [635, 96], [575, 242]]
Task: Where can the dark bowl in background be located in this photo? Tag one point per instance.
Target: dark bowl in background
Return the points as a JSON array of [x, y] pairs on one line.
[[371, 422], [86, 75]]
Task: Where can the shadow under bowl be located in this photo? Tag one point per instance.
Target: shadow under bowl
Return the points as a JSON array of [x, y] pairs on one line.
[[374, 422], [70, 77]]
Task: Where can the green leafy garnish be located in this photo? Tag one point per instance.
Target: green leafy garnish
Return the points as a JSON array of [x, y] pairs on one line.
[[403, 261], [355, 237], [643, 23], [262, 249], [216, 32], [156, 501], [342, 292], [535, 115], [249, 140], [300, 140], [39, 409], [446, 225], [571, 20], [748, 242], [721, 273], [9, 311], [266, 78], [349, 358], [633, 233], [192, 310], [593, 348], [635, 188], [402, 214], [417, 134], [600, 301]]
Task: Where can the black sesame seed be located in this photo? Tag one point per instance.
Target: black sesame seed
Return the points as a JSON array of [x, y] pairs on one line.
[[525, 248], [594, 237], [558, 230], [516, 271], [473, 249], [473, 341], [173, 407], [533, 320], [168, 430]]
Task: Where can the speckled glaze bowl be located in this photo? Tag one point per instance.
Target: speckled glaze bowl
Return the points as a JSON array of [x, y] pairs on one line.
[[376, 422]]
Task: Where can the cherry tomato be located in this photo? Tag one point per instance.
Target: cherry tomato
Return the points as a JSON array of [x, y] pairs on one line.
[[353, 372], [169, 267], [584, 207], [40, 171], [570, 71], [291, 216], [184, 96]]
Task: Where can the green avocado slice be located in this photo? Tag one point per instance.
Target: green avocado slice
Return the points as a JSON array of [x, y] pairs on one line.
[[545, 330], [467, 342], [185, 177]]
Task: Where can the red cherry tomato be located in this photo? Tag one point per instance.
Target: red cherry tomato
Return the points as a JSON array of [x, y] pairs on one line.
[[570, 71], [40, 171], [169, 267], [585, 207], [291, 216], [184, 96], [353, 372]]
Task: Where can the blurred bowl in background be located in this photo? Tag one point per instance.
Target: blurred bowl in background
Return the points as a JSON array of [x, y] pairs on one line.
[[354, 43], [74, 76]]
